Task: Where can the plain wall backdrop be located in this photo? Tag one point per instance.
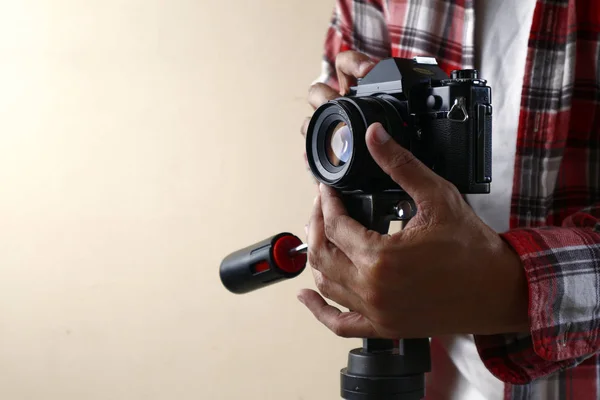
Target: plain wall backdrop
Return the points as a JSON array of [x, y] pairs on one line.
[[140, 142]]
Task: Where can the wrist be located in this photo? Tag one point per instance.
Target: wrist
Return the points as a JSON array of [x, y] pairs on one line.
[[511, 289]]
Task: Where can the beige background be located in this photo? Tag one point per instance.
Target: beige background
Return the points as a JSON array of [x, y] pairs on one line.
[[140, 142]]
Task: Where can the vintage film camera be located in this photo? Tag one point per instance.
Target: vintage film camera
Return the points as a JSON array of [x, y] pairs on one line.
[[446, 122]]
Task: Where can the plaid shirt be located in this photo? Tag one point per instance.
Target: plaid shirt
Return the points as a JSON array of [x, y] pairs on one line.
[[555, 208]]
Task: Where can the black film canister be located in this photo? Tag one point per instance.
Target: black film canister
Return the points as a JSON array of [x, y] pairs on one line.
[[262, 264]]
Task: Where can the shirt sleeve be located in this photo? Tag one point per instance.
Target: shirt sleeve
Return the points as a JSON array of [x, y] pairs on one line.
[[562, 266], [354, 25]]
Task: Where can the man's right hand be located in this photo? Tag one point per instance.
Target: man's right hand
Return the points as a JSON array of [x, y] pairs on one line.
[[349, 66]]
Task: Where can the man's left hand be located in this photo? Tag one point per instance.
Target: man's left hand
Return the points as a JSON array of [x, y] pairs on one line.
[[446, 272]]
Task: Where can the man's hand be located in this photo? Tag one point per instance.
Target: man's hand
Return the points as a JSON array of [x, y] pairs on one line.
[[349, 66], [445, 273]]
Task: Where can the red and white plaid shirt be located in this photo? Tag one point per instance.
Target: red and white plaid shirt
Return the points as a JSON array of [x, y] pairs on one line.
[[555, 210]]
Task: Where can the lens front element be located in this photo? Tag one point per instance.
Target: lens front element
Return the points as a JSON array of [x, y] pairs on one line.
[[339, 144]]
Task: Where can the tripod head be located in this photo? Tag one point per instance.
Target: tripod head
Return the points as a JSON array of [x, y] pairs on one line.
[[381, 369]]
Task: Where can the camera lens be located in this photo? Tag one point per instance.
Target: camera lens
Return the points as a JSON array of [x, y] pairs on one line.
[[335, 142], [338, 144]]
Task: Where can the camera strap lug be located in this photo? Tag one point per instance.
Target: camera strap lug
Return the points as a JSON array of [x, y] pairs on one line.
[[458, 108]]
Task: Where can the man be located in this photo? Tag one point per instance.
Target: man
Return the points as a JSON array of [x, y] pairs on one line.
[[508, 284]]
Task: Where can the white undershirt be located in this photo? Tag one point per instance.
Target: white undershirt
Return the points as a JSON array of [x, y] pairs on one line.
[[501, 35]]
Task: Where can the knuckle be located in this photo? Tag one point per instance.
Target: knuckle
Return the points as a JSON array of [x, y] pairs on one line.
[[343, 56], [323, 286], [315, 259], [331, 226], [314, 90], [350, 57], [320, 93]]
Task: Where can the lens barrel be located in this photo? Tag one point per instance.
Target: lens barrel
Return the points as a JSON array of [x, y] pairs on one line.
[[344, 161]]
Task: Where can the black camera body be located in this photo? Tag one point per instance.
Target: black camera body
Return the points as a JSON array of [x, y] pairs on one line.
[[446, 122]]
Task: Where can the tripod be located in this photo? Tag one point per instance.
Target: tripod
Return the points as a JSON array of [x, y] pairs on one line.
[[384, 369]]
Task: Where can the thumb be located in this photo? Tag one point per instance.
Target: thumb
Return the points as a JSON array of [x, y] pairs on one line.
[[418, 180]]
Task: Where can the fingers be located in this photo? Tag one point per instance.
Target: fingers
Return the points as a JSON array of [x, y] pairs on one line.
[[334, 291], [316, 235], [344, 324], [419, 181], [350, 65], [347, 234], [320, 93], [324, 256], [304, 127], [303, 131]]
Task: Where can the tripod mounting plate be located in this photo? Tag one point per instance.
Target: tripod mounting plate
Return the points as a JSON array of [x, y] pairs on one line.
[[375, 211]]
